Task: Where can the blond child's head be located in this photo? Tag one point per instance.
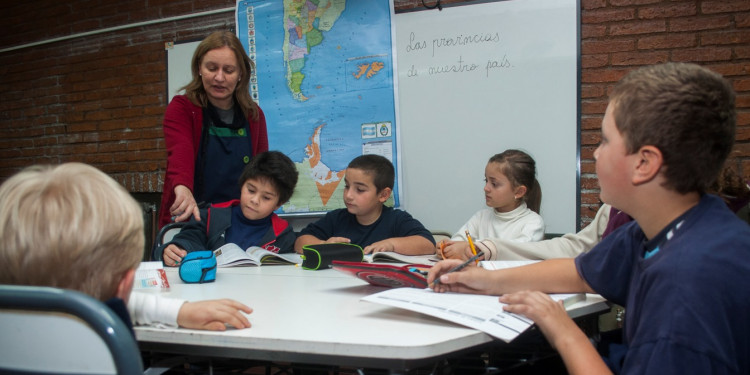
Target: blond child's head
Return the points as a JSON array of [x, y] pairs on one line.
[[69, 226]]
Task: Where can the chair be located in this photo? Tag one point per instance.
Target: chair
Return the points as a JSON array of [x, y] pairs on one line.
[[440, 235], [47, 330], [166, 233], [549, 236]]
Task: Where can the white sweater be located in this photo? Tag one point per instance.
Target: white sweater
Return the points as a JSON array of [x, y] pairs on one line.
[[152, 309], [567, 246], [518, 225]]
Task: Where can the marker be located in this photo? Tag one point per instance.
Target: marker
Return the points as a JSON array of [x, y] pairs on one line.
[[459, 267], [417, 270], [471, 245]]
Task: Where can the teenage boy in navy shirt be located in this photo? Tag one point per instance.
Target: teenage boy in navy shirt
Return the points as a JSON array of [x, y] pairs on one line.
[[681, 269], [366, 221]]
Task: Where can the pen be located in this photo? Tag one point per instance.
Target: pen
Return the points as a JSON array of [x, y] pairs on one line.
[[459, 267], [471, 244]]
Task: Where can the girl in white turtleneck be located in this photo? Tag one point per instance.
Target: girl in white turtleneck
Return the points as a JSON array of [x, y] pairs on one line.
[[513, 197]]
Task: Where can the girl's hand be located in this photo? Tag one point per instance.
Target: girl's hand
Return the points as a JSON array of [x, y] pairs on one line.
[[457, 250]]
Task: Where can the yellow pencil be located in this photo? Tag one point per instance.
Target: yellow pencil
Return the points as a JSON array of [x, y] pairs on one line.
[[471, 245]]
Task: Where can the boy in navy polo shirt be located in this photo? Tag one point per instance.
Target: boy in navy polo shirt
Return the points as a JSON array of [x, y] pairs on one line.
[[366, 221]]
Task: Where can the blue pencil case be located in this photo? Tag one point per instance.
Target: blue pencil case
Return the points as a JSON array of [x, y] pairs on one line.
[[198, 267]]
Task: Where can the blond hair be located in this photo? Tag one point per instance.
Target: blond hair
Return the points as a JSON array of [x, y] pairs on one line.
[[68, 226]]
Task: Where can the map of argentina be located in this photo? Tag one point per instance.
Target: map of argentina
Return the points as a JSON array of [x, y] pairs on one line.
[[305, 21], [325, 82]]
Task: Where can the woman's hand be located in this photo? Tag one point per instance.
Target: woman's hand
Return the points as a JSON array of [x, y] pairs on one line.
[[184, 204]]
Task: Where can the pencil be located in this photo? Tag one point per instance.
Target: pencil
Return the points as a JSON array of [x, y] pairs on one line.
[[471, 244], [459, 267]]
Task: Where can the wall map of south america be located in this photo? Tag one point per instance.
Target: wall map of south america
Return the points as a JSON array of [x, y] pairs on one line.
[[325, 81]]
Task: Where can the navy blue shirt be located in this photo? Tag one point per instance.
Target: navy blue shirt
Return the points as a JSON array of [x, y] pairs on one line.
[[245, 232], [688, 304], [391, 223]]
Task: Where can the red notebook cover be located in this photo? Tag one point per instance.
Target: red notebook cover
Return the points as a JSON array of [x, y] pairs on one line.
[[384, 274]]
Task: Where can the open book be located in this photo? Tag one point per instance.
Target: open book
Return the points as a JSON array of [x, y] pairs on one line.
[[391, 257], [484, 313], [231, 255]]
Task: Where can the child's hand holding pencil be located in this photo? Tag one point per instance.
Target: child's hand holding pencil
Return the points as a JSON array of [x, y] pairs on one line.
[[455, 250]]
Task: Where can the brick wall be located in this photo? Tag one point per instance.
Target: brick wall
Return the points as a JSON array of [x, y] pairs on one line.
[[100, 99]]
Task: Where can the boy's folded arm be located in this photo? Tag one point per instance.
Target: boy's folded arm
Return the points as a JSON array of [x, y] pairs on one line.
[[153, 309]]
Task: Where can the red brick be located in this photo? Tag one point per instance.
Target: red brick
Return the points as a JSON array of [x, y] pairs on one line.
[[589, 183], [743, 133], [594, 106], [589, 122], [607, 15], [700, 23], [594, 61], [741, 84], [588, 166], [702, 54], [607, 46], [637, 27], [587, 152], [725, 6], [725, 37], [592, 31], [590, 138], [741, 150], [743, 118], [113, 124], [667, 41], [620, 3], [742, 20], [593, 91], [730, 69], [667, 11], [742, 52], [639, 58], [602, 75]]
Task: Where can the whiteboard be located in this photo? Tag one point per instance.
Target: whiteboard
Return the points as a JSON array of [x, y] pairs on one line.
[[178, 66], [476, 80]]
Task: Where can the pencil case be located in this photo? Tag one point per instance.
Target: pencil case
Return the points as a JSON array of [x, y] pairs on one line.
[[198, 267], [321, 256], [391, 276]]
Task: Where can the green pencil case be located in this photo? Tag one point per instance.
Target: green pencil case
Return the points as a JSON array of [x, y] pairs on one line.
[[321, 256]]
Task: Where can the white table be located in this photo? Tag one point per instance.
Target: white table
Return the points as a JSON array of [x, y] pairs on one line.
[[317, 317]]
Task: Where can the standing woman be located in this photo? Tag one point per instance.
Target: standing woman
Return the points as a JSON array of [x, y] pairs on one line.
[[211, 131]]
